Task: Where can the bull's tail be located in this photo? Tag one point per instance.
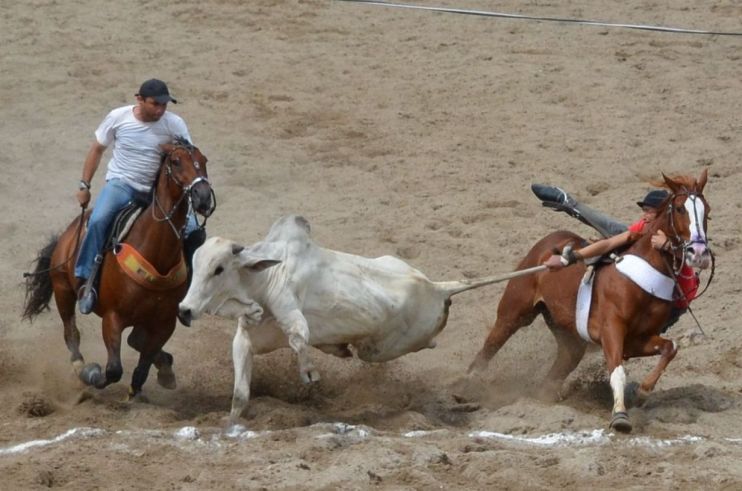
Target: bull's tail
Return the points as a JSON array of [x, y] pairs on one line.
[[39, 282], [455, 287]]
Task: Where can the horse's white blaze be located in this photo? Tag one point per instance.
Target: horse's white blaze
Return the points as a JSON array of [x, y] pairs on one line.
[[696, 212], [618, 384]]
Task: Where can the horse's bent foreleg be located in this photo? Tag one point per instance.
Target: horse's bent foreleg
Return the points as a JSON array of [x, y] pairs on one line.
[[91, 373], [570, 350], [64, 297], [510, 317], [242, 354], [655, 345]]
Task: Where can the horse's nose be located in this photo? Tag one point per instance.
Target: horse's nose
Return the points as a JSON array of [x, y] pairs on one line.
[[185, 316], [697, 249], [698, 255], [202, 201]]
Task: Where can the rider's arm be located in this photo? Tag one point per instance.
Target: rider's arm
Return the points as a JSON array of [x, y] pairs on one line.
[[604, 246], [92, 161], [556, 262]]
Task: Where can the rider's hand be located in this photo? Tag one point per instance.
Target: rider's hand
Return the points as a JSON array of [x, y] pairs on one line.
[[83, 197], [554, 263], [660, 241]]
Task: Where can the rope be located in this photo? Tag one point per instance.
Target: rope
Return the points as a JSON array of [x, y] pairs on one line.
[[484, 13]]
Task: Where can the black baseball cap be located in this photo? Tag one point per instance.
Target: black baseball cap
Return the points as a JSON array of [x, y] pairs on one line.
[[156, 89], [654, 198]]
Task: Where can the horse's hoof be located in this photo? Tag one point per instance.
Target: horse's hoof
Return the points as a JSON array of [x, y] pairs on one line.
[[166, 378], [91, 374], [634, 395], [621, 423]]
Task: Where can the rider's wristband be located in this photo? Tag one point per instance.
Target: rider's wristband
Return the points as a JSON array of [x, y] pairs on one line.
[[84, 185]]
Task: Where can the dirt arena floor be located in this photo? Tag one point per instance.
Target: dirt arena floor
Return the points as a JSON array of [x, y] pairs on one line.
[[392, 131]]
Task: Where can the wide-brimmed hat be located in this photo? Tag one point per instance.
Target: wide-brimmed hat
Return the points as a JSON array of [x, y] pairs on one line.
[[653, 199]]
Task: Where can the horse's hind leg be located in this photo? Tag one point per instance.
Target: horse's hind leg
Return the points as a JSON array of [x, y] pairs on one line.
[[163, 360], [513, 312], [65, 298], [570, 350]]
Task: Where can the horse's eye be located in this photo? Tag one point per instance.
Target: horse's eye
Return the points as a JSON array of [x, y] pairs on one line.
[[680, 209], [218, 270], [176, 162]]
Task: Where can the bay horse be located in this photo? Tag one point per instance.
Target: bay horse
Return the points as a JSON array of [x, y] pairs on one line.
[[123, 302], [624, 319]]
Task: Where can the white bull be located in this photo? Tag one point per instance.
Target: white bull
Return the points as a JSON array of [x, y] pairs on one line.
[[314, 296]]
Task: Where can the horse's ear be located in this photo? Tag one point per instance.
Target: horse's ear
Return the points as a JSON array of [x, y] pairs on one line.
[[672, 185], [702, 180], [202, 158], [167, 148]]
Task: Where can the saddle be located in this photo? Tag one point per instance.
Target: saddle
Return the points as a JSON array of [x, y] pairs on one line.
[[121, 225]]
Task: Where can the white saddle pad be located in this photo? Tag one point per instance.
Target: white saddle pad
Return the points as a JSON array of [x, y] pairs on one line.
[[643, 274]]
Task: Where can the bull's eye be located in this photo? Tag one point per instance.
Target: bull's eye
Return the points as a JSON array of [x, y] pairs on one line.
[[218, 270]]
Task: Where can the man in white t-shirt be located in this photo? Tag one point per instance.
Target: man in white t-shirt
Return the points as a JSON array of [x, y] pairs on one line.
[[136, 132]]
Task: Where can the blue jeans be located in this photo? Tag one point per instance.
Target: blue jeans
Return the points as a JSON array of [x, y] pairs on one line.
[[114, 196]]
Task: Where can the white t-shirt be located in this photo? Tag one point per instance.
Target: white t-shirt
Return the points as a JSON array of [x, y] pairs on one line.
[[136, 144]]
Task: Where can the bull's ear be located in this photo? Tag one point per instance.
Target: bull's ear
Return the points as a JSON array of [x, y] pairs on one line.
[[257, 265]]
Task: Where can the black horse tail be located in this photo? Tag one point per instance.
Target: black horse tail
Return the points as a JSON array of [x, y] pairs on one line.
[[39, 283]]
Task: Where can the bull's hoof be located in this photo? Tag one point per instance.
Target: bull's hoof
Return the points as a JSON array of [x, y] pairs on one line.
[[166, 377], [309, 376], [549, 393], [479, 365], [621, 423], [634, 395]]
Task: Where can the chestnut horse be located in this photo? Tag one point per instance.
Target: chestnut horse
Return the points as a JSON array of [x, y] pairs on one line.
[[123, 302], [623, 318]]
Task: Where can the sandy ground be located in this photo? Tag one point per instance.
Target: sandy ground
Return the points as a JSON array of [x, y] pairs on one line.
[[394, 132]]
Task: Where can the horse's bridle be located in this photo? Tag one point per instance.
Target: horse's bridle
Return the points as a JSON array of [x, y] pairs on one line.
[[678, 246], [187, 192]]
